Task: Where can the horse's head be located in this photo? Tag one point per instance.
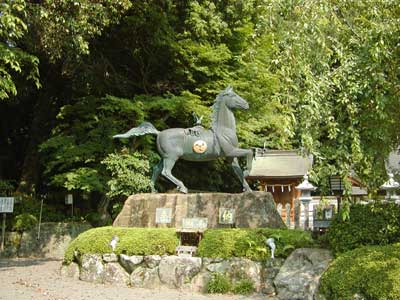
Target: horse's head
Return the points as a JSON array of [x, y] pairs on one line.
[[232, 100]]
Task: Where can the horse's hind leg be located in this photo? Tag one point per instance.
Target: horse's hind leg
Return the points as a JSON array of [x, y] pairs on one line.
[[166, 172], [239, 173], [156, 172]]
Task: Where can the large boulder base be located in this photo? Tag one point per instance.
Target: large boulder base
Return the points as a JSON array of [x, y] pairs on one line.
[[252, 209]]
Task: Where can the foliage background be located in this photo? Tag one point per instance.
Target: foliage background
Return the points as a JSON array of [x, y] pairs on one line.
[[372, 224], [320, 75]]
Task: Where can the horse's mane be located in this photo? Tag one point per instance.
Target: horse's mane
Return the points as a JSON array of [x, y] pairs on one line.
[[216, 106]]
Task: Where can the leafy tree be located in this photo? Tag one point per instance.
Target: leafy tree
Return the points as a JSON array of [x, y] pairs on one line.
[[13, 59], [59, 33], [63, 29], [337, 65], [319, 75], [130, 174]]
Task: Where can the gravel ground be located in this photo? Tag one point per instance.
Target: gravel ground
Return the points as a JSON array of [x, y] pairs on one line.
[[40, 279]]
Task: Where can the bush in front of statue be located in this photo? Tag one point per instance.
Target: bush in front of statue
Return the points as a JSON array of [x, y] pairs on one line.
[[250, 243], [370, 272], [131, 241]]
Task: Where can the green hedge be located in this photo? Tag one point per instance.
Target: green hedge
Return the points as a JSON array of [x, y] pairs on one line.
[[371, 272], [372, 224], [250, 243], [132, 241]]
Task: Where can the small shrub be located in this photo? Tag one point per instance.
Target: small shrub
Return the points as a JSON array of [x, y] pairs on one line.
[[371, 272], [219, 283], [244, 287], [24, 222], [94, 218], [29, 205], [250, 243], [373, 224], [6, 187], [132, 241]]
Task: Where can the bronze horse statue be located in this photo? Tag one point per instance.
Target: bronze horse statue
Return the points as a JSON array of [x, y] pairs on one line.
[[198, 143]]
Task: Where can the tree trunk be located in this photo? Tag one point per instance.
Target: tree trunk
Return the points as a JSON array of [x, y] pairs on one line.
[[102, 209]]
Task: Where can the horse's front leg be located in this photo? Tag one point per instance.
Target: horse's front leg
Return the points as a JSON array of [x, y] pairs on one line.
[[168, 164], [237, 152], [156, 172], [239, 173]]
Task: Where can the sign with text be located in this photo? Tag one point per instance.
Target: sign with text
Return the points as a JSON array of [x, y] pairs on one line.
[[69, 199], [194, 223], [6, 204], [226, 216], [163, 215]]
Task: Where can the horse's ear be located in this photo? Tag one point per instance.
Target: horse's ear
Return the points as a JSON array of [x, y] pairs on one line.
[[229, 89]]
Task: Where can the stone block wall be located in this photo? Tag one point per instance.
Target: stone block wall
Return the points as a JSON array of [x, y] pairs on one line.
[[53, 240], [297, 277]]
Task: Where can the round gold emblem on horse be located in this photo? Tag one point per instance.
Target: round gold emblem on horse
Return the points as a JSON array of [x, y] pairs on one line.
[[199, 146]]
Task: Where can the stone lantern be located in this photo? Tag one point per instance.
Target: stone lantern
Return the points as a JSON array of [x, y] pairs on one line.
[[390, 187], [306, 188]]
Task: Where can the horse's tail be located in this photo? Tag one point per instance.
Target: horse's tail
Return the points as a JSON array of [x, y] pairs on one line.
[[142, 129]]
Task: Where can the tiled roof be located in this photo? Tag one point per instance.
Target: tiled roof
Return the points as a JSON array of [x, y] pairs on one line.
[[280, 164]]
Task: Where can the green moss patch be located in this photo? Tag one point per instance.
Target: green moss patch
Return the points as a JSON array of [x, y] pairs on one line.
[[370, 272], [132, 241], [250, 243]]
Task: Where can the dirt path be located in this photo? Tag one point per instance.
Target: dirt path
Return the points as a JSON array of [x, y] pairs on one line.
[[40, 279]]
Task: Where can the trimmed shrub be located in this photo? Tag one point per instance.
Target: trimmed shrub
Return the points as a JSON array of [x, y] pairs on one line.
[[370, 272], [372, 224], [24, 222], [132, 241], [250, 243], [219, 283]]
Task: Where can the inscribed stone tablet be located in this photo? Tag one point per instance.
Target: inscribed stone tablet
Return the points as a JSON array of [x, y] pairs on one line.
[[194, 223], [226, 215], [163, 215]]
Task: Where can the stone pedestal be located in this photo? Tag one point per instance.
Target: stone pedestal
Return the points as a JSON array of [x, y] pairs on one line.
[[251, 210]]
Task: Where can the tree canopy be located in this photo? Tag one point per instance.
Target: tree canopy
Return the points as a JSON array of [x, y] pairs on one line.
[[319, 75]]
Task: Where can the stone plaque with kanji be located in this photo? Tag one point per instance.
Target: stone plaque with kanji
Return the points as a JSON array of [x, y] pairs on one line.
[[226, 216], [163, 215]]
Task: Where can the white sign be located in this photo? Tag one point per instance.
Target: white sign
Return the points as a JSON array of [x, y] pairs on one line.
[[163, 215], [226, 215], [194, 223], [6, 204], [69, 199]]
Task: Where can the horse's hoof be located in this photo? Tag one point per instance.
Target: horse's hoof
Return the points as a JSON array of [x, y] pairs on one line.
[[247, 190], [183, 189]]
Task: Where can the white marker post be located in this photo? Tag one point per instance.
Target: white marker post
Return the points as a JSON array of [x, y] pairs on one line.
[[40, 216], [6, 206], [69, 200]]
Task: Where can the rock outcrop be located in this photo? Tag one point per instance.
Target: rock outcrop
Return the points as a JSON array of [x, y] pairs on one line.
[[299, 276]]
